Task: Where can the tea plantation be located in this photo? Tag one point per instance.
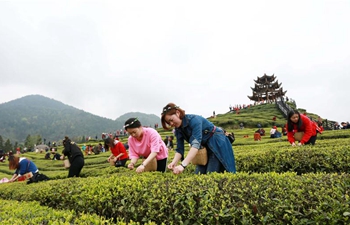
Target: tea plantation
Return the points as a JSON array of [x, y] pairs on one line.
[[275, 184]]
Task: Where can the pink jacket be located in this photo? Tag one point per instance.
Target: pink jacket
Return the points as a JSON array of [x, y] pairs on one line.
[[151, 142]]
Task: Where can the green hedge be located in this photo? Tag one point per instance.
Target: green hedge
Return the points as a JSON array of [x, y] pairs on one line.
[[328, 156], [267, 198]]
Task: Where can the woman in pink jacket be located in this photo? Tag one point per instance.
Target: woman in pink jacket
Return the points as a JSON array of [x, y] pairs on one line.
[[145, 142], [300, 123]]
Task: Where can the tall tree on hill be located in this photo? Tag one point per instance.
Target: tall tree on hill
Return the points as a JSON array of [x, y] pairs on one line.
[[8, 146], [15, 145], [28, 142], [39, 140], [1, 142]]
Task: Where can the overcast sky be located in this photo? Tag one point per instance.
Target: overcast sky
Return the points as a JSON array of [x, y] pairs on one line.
[[113, 57]]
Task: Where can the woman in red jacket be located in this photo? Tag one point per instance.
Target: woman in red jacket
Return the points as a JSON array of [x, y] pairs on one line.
[[300, 123], [119, 154]]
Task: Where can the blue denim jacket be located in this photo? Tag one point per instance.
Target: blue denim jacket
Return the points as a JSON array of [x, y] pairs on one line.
[[198, 131]]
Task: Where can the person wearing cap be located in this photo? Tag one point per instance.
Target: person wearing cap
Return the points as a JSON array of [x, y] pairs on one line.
[[197, 131]]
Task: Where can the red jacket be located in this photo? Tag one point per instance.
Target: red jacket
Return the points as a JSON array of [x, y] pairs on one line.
[[119, 148], [308, 127]]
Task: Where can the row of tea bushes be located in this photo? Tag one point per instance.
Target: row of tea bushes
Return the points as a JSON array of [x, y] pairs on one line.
[[15, 212], [331, 155], [323, 157], [267, 198]]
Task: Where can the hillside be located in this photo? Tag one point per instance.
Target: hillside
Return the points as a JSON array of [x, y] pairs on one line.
[[254, 115], [52, 120]]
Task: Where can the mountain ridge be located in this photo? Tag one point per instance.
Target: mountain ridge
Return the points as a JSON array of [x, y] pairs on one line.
[[52, 120]]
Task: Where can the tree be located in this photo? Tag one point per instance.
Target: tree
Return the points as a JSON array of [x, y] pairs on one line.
[[83, 139], [28, 142], [38, 140], [8, 146], [1, 142], [15, 146]]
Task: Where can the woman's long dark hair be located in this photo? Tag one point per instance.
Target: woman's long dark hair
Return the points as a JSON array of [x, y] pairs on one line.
[[108, 141], [290, 123], [13, 162]]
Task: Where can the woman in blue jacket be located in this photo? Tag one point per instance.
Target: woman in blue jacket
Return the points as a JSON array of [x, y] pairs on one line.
[[198, 131], [23, 166]]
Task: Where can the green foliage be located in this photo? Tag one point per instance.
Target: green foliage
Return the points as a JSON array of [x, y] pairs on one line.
[[12, 213], [1, 142], [268, 198], [275, 184], [8, 146], [252, 116]]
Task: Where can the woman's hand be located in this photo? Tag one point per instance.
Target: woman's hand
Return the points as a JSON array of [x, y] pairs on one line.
[[171, 166], [131, 166], [62, 157], [300, 144], [140, 169], [293, 144], [178, 169]]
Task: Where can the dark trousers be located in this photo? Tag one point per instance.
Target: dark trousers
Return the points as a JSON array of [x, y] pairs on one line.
[[76, 166], [120, 163], [161, 165], [312, 140]]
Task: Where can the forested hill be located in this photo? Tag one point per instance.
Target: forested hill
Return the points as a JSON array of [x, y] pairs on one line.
[[52, 120]]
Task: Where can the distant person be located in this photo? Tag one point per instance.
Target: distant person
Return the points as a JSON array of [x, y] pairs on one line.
[[274, 133], [170, 144], [75, 157], [166, 140], [47, 155], [119, 154], [300, 123], [97, 149], [336, 126], [2, 155], [56, 155], [345, 125], [147, 143], [197, 131], [284, 130], [261, 131], [230, 136], [126, 146]]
